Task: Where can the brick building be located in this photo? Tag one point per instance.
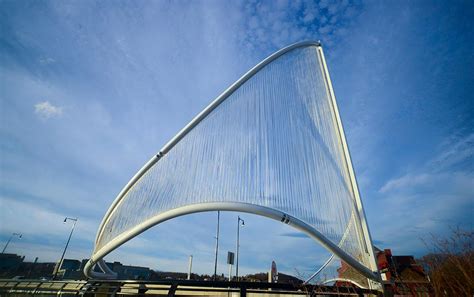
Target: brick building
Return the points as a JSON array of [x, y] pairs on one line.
[[401, 275]]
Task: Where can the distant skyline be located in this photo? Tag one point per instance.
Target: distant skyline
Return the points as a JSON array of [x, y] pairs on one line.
[[89, 91]]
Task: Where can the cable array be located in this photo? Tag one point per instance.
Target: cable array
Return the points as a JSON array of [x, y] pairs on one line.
[[273, 142]]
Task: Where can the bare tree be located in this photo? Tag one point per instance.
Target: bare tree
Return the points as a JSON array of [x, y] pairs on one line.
[[450, 264]]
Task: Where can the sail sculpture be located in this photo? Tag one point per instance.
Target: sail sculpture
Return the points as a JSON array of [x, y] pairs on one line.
[[273, 145]]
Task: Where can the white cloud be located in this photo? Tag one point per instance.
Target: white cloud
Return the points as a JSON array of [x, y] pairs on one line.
[[324, 30], [44, 232], [456, 151], [46, 110], [46, 60], [429, 199], [323, 4], [323, 20], [36, 220], [333, 8], [444, 166], [406, 181], [420, 205], [281, 28]]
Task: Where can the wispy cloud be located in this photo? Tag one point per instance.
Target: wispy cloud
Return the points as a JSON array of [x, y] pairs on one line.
[[451, 163], [458, 152], [269, 25], [430, 198], [46, 60], [295, 234], [46, 110], [36, 220]]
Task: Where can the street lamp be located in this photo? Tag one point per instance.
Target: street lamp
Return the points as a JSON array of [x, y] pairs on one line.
[[238, 245], [8, 242], [67, 243], [217, 245]]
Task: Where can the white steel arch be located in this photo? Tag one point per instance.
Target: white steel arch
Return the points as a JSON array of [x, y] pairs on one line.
[[228, 206], [333, 146], [339, 279]]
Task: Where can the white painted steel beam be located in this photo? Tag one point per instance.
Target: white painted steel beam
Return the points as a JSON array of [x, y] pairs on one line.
[[366, 238]]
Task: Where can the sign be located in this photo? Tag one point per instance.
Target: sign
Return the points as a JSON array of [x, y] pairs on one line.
[[230, 258]]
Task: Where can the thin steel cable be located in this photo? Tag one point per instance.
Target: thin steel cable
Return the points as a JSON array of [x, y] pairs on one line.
[[272, 142]]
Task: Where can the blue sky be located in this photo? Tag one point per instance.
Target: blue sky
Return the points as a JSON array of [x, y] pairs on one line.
[[89, 91]]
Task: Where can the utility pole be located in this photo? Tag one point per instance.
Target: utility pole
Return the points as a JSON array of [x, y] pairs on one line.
[[238, 245]]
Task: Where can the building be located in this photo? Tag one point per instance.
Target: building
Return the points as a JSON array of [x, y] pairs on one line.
[[125, 271], [10, 264], [401, 275], [131, 272], [70, 269]]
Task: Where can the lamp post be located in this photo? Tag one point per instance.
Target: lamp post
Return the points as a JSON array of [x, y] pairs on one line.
[[8, 242], [238, 245], [67, 243], [217, 246]]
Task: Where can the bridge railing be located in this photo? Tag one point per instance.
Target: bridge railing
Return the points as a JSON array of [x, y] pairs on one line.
[[95, 288]]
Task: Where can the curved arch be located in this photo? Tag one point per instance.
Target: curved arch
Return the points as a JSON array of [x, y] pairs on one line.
[[340, 279], [341, 242], [319, 270], [228, 206]]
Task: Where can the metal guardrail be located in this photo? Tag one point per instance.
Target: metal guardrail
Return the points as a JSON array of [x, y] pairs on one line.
[[119, 288]]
